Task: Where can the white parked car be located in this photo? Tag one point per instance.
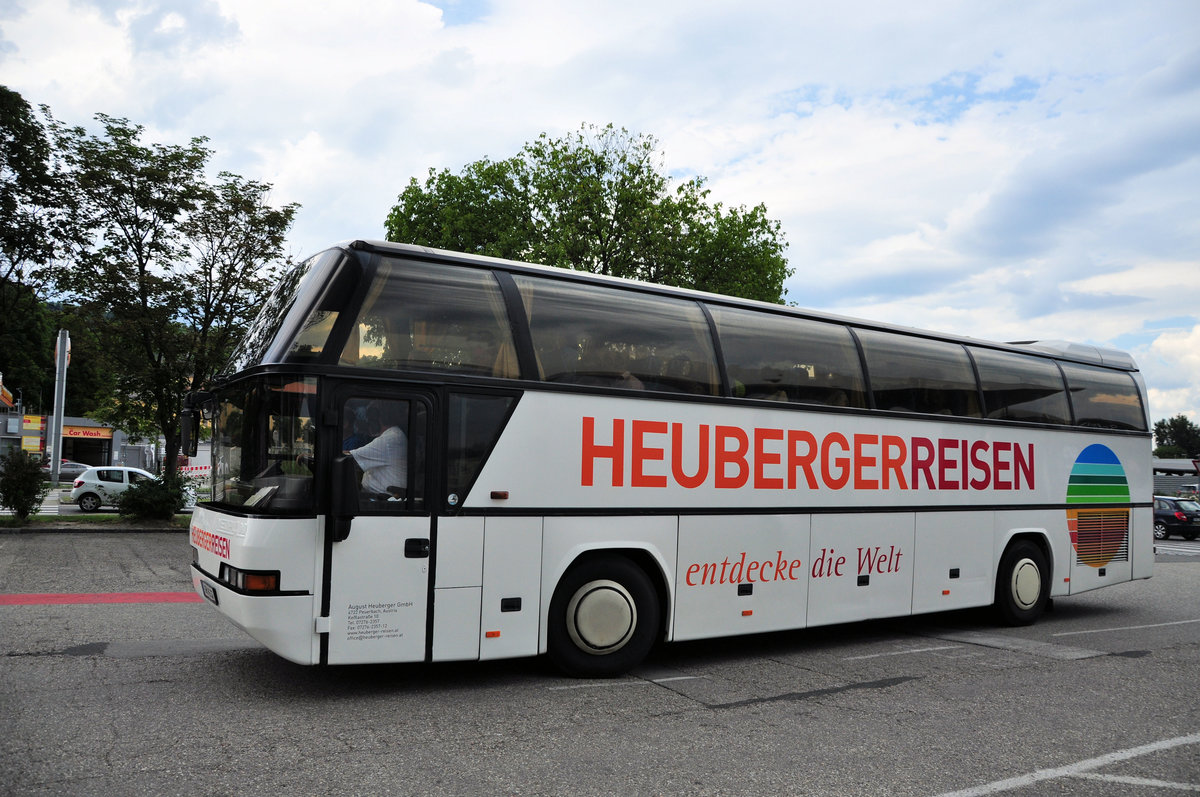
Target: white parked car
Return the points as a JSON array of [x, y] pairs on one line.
[[99, 487]]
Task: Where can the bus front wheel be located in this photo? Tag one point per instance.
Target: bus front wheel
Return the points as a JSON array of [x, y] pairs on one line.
[[604, 618], [1022, 583]]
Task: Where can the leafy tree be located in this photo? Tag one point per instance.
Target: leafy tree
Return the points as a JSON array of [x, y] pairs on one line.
[[27, 194], [153, 499], [169, 266], [600, 201], [22, 488], [28, 201], [1177, 438], [91, 377]]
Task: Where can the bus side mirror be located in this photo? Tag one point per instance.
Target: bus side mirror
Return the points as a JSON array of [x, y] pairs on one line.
[[189, 437], [343, 504]]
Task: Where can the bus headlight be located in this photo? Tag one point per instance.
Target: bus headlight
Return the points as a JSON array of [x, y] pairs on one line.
[[250, 580]]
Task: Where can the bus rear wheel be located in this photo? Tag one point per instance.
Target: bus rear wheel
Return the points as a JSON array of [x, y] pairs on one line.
[[1022, 583], [604, 618]]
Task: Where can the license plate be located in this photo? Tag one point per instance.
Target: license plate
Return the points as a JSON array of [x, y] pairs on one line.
[[209, 591]]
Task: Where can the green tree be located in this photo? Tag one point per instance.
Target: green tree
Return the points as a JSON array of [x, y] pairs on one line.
[[170, 267], [28, 215], [22, 488], [598, 200], [1177, 438]]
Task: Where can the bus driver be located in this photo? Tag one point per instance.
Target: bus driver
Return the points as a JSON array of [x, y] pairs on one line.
[[384, 460]]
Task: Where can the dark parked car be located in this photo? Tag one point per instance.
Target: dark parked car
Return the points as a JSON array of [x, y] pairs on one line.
[[67, 470], [1176, 516]]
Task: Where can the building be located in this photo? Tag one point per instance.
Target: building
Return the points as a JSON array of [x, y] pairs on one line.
[[83, 440], [1172, 476]]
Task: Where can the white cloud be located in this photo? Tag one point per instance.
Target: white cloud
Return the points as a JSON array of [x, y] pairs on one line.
[[998, 171]]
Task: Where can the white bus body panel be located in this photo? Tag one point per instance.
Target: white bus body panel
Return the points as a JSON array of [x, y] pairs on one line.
[[861, 567], [378, 596], [283, 623], [456, 623], [1141, 534], [740, 575], [458, 592], [512, 566], [460, 552], [954, 566]]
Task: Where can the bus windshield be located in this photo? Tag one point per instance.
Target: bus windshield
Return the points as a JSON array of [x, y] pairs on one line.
[[263, 442]]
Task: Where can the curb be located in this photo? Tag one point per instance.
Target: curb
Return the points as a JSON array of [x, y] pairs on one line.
[[93, 530]]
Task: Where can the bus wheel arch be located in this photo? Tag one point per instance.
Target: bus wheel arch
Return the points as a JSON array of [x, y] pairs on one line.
[[606, 613], [1023, 580]]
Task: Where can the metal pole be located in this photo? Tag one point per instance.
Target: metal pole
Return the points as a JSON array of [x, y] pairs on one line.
[[62, 354]]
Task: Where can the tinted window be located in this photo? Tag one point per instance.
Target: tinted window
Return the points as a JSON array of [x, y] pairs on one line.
[[616, 338], [1020, 388], [911, 374], [1103, 398], [789, 359], [475, 423], [433, 317]]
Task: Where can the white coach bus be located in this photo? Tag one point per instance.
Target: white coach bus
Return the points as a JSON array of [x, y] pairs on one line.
[[584, 466]]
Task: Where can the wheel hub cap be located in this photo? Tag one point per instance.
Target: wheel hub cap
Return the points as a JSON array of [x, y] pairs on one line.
[[601, 617], [1026, 583]]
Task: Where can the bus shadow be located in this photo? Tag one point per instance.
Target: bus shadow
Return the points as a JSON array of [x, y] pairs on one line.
[[266, 671]]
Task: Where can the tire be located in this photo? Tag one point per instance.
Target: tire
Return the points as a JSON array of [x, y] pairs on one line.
[[1022, 583], [604, 618], [1191, 535], [1160, 530], [88, 502]]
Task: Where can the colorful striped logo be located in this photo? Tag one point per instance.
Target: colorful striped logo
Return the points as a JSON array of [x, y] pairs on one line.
[[1101, 534]]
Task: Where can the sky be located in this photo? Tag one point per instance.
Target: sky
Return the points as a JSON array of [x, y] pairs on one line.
[[999, 170]]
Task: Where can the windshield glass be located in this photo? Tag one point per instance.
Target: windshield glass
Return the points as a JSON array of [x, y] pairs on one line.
[[1189, 506], [268, 337], [263, 442]]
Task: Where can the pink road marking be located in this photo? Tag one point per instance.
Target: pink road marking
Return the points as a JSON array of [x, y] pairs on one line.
[[49, 598]]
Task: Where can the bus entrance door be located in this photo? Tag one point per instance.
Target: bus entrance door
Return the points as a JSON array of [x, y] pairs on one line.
[[380, 560]]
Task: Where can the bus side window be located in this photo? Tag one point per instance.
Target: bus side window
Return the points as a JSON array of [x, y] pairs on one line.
[[911, 374], [388, 447], [1104, 399], [620, 339], [435, 318], [474, 426], [782, 358], [1018, 387]]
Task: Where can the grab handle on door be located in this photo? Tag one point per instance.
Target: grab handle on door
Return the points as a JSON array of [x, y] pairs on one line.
[[416, 548]]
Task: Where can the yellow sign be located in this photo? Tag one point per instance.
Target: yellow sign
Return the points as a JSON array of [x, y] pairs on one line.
[[31, 445], [34, 423], [6, 397]]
